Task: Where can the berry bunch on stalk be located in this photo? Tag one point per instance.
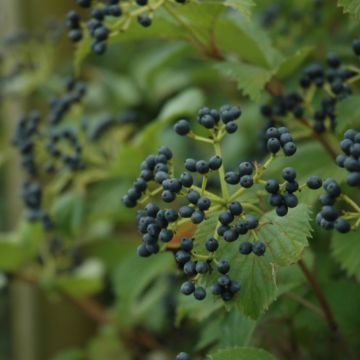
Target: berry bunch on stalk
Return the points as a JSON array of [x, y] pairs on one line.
[[188, 201], [108, 18]]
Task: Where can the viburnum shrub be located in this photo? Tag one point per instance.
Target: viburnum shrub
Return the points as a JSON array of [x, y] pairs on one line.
[[177, 225]]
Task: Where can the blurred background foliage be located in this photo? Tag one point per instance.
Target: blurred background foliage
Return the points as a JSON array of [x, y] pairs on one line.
[[91, 297]]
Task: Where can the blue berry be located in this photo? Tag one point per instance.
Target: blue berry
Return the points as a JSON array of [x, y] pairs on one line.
[[187, 288], [246, 248], [259, 248]]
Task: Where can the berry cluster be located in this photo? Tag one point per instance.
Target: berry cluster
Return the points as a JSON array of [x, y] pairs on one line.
[[329, 218], [283, 197], [194, 203], [59, 106], [100, 11], [350, 160], [212, 119], [333, 83], [24, 140]]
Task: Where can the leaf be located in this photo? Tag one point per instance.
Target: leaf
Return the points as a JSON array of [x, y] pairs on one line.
[[351, 7], [246, 41], [241, 353], [345, 249], [249, 78], [18, 247], [244, 6], [348, 114], [286, 239], [293, 62], [68, 213], [86, 280]]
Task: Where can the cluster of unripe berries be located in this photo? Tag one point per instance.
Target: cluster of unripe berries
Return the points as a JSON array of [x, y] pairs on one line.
[[328, 217], [99, 12], [212, 118], [350, 160]]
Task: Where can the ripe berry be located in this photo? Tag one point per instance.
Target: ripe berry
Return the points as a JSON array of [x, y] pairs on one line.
[[211, 245], [202, 167], [190, 165], [226, 218], [231, 127], [291, 200], [98, 47], [165, 235], [314, 182], [144, 20], [186, 244], [215, 162], [289, 149], [186, 179], [182, 127], [246, 181], [199, 293], [353, 179], [230, 235], [101, 33], [186, 211], [342, 226], [272, 186], [235, 208], [197, 217], [223, 280], [259, 248], [245, 248], [232, 178], [289, 174], [189, 268], [246, 168], [223, 267], [187, 288], [203, 203], [182, 257], [202, 267], [273, 145], [282, 210], [75, 35], [168, 196], [193, 197], [252, 222]]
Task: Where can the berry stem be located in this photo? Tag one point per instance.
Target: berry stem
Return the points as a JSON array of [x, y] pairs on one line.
[[203, 184], [200, 138], [224, 189], [350, 202], [252, 207]]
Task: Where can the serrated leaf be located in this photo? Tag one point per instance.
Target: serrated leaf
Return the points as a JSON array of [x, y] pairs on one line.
[[244, 6], [345, 249], [286, 239], [351, 7], [293, 62], [250, 79], [241, 353]]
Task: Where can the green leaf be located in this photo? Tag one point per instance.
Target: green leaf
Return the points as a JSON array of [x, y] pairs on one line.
[[351, 7], [348, 112], [285, 239], [293, 62], [250, 79], [244, 6], [241, 353], [345, 249], [68, 213], [246, 41], [19, 247], [86, 280]]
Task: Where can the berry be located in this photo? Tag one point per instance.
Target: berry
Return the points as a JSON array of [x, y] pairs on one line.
[[353, 179], [202, 267], [235, 208], [190, 165], [186, 244], [282, 210], [144, 20], [101, 33], [203, 203], [211, 245], [193, 197], [232, 178], [246, 168], [98, 47], [342, 226], [223, 267], [189, 268], [186, 211], [273, 145], [168, 196], [231, 127], [202, 167], [252, 222], [247, 181], [314, 182], [230, 235], [259, 248], [291, 200], [199, 293], [197, 217], [182, 257], [165, 235], [356, 47], [272, 186], [182, 127], [215, 162], [187, 288], [289, 174], [245, 248], [186, 179], [75, 35], [289, 149], [226, 218]]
